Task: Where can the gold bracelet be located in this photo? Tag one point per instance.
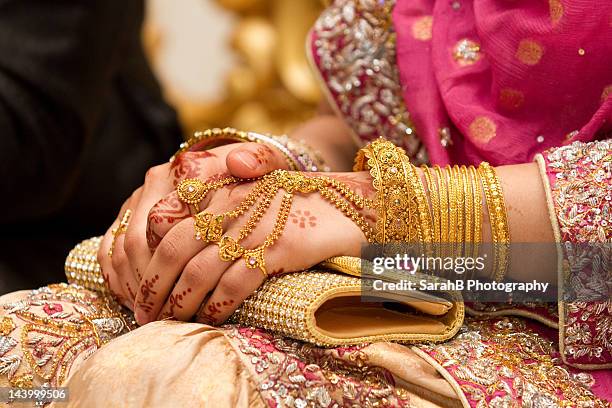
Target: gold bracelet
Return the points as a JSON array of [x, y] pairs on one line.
[[211, 138], [393, 203], [401, 203], [443, 200], [469, 205], [452, 209], [478, 215], [499, 219], [424, 227], [299, 156], [434, 202], [460, 191], [82, 267]]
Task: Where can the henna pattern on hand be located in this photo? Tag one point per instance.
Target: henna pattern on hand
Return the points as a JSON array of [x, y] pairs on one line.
[[168, 210], [146, 289], [214, 309], [303, 219], [356, 182], [362, 186], [187, 165], [263, 154], [176, 299], [130, 291], [153, 241]]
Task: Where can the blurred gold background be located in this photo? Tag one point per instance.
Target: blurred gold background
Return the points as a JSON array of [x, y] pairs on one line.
[[239, 63]]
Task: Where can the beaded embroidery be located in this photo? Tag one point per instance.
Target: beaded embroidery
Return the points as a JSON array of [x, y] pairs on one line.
[[353, 46], [57, 325], [582, 197], [294, 374], [502, 363]]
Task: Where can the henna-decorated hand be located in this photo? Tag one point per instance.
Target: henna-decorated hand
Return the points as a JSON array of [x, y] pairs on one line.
[[131, 251], [186, 276]]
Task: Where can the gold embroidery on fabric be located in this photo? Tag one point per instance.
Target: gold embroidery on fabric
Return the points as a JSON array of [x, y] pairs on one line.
[[6, 326], [582, 195], [57, 324], [296, 374], [501, 362]]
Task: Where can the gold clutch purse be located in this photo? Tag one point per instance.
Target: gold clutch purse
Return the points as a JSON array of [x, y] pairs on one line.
[[324, 305]]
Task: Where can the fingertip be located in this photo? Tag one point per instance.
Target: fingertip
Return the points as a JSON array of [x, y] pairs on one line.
[[244, 164], [141, 317]]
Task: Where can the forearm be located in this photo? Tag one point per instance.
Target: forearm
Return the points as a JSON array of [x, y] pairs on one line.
[[528, 222], [330, 136]]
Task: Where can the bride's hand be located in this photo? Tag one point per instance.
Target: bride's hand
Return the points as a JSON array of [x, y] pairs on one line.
[[132, 251], [187, 278]]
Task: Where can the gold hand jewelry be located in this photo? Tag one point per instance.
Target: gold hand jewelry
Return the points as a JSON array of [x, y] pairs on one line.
[[121, 229], [192, 191], [229, 249], [209, 226], [254, 258]]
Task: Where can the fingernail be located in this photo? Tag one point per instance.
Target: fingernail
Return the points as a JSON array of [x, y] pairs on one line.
[[141, 318], [248, 159]]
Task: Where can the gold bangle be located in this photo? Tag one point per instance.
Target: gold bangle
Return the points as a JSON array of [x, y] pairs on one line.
[[499, 219], [424, 227], [469, 205], [299, 155], [434, 202], [478, 214], [459, 189], [218, 137], [401, 202], [452, 209], [394, 204], [82, 267], [443, 199]]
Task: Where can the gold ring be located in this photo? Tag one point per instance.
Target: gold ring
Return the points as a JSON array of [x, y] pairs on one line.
[[254, 258], [229, 249], [208, 227], [192, 191], [121, 229]]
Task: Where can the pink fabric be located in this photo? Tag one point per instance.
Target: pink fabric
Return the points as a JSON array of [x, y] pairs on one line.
[[545, 71]]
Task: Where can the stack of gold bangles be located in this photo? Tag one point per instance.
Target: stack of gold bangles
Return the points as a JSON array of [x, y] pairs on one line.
[[451, 219]]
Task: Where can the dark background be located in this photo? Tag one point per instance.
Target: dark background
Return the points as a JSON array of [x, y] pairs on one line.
[[81, 120]]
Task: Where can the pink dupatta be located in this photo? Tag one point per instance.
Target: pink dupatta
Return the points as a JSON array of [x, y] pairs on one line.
[[504, 79]]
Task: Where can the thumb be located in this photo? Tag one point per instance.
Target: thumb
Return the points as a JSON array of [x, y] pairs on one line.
[[249, 160]]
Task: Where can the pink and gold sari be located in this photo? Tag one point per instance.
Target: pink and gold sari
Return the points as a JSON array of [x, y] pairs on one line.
[[452, 82]]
